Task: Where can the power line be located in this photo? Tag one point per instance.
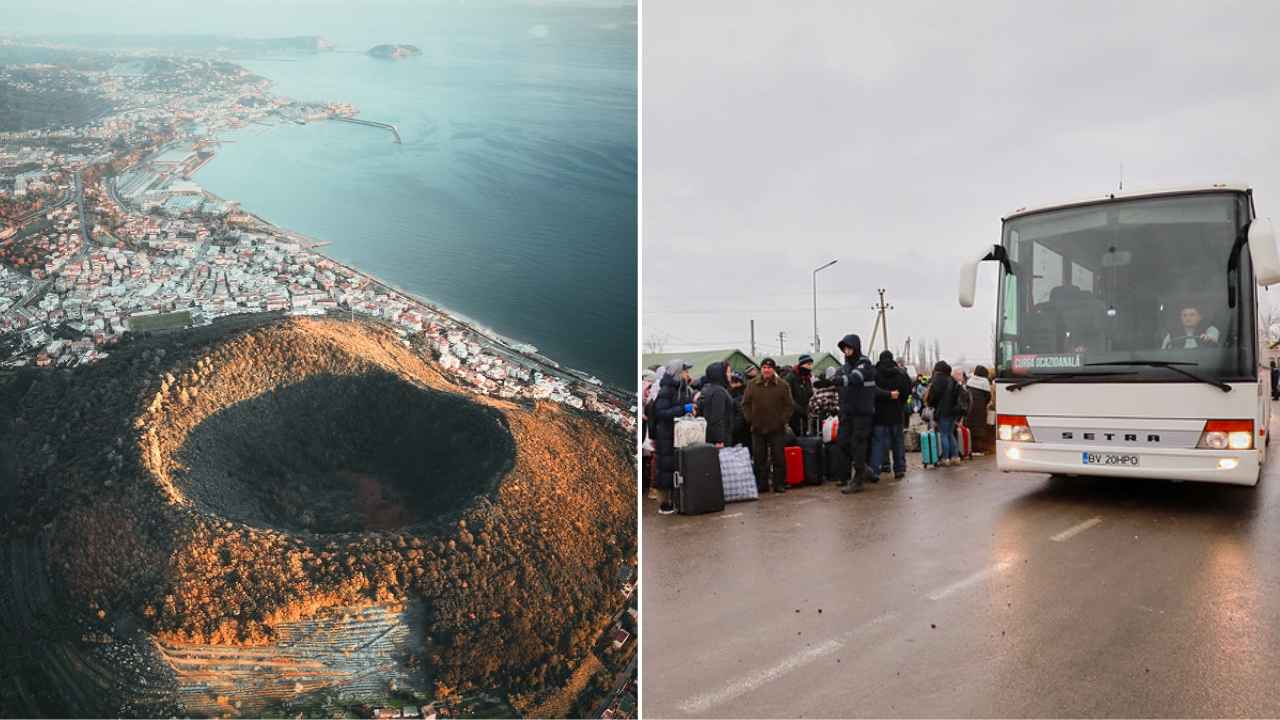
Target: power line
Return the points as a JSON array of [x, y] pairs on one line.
[[750, 310]]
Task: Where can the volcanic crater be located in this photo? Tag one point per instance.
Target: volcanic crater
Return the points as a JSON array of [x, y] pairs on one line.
[[336, 453], [231, 489]]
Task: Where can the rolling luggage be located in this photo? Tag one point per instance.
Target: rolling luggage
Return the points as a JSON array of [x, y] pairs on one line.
[[699, 486], [795, 465], [930, 448], [964, 442], [812, 449], [838, 466], [737, 475]]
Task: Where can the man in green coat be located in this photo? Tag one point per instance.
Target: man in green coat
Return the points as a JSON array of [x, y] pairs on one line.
[[768, 407]]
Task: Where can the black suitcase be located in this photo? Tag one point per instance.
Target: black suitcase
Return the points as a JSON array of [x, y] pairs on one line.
[[699, 488], [839, 467], [812, 448]]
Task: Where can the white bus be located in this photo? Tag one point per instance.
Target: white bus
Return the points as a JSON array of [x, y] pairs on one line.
[[1128, 339]]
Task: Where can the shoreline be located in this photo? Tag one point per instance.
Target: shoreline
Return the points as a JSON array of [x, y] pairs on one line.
[[527, 352]]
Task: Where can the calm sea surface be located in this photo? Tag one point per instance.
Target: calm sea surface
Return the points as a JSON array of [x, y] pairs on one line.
[[512, 200]]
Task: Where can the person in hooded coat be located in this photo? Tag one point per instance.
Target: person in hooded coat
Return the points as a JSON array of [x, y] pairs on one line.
[[942, 397], [675, 399], [857, 382], [982, 433], [889, 416], [717, 405]]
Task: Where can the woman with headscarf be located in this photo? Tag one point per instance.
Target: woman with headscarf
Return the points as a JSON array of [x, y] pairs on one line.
[[979, 386], [647, 379], [674, 399]]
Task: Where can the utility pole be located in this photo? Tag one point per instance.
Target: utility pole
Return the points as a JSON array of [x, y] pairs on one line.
[[753, 341], [781, 335], [882, 324]]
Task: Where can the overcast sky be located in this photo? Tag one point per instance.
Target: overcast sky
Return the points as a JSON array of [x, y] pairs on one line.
[[341, 21], [776, 137]]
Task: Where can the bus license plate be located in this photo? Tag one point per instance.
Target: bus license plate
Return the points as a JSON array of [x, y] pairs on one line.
[[1110, 459]]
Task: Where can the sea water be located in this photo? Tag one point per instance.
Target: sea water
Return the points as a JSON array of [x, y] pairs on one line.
[[512, 199]]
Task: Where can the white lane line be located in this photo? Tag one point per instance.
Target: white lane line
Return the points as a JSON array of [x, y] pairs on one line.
[[1076, 529], [973, 579], [726, 517], [752, 681]]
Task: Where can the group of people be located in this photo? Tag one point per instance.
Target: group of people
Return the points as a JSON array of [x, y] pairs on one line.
[[767, 406]]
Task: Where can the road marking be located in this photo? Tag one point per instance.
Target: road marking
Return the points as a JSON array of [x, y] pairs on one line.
[[791, 663], [1076, 529], [726, 517], [973, 579]]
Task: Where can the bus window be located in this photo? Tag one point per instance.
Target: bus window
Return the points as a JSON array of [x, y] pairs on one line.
[[1046, 272], [1081, 277]]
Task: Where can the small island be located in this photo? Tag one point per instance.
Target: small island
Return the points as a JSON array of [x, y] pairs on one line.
[[393, 52]]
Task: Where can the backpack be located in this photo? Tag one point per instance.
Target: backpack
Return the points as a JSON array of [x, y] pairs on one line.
[[962, 399]]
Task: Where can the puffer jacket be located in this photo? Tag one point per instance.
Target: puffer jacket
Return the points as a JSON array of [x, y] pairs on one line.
[[825, 401], [673, 395], [717, 405]]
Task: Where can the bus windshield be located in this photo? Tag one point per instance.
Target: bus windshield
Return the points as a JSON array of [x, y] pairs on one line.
[[1108, 287]]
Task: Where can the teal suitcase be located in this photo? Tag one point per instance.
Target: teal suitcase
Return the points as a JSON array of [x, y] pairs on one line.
[[930, 447]]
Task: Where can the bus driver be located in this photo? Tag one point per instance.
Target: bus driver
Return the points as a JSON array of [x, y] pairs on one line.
[[1193, 335]]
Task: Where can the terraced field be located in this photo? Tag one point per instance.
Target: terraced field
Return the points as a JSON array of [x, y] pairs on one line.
[[347, 656]]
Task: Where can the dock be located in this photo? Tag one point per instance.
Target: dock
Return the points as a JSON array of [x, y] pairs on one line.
[[372, 123]]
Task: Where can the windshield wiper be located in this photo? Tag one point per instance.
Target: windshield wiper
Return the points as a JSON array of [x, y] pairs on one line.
[[1059, 376], [1174, 366]]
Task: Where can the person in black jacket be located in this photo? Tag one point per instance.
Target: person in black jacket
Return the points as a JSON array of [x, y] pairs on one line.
[[801, 382], [943, 397], [737, 388], [717, 405], [857, 382], [889, 416], [674, 400]]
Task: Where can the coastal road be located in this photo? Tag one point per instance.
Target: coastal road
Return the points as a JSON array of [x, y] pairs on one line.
[[967, 592]]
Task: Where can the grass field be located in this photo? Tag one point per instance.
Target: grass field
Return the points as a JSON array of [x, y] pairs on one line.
[[163, 321]]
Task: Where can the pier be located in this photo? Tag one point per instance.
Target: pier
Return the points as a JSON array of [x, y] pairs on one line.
[[371, 123]]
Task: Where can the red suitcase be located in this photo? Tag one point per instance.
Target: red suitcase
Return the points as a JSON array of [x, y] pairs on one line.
[[795, 465], [964, 441]]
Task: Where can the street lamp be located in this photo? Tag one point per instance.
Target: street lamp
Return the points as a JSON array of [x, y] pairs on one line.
[[817, 348]]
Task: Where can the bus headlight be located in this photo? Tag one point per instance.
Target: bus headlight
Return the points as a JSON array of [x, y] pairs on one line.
[[1014, 428], [1226, 434]]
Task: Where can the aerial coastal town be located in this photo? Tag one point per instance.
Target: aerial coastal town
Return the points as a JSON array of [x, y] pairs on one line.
[[103, 231]]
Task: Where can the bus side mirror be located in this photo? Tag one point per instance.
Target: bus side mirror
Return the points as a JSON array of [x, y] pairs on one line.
[[969, 273], [1263, 253]]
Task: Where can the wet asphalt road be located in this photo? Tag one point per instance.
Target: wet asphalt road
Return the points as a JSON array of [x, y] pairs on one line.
[[967, 592]]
